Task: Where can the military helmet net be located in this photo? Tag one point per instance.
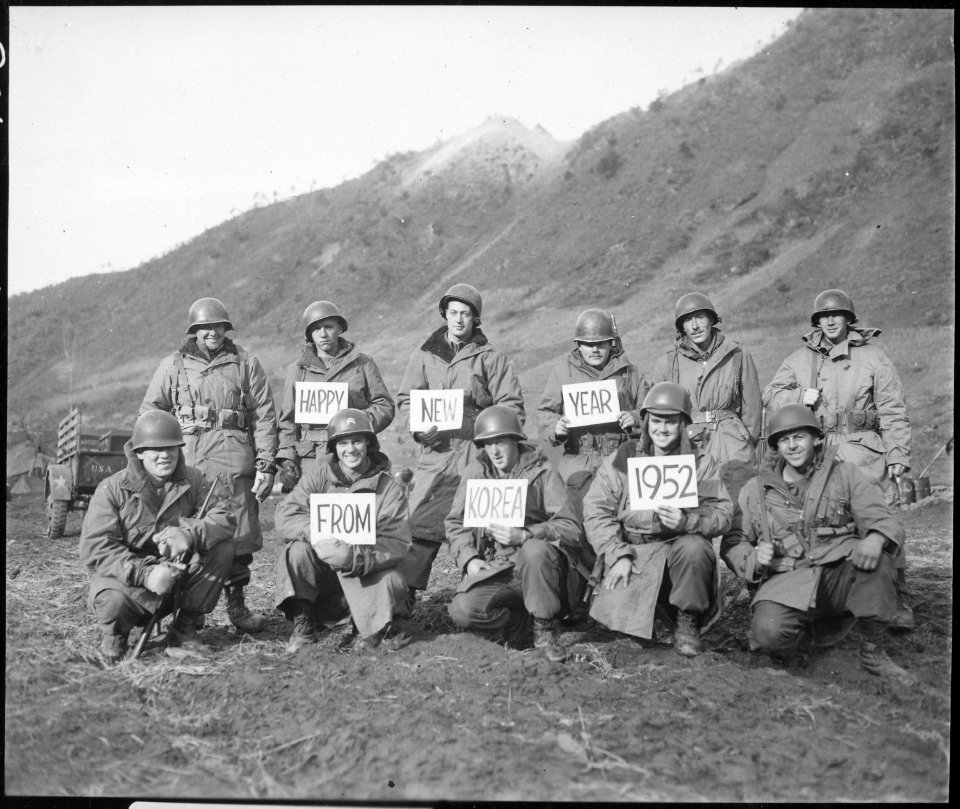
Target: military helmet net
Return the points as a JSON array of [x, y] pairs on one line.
[[156, 429], [206, 312], [788, 418]]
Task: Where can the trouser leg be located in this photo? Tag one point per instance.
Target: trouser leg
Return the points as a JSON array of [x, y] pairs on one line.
[[117, 614], [541, 568], [486, 606], [691, 563], [375, 599], [418, 562], [201, 591], [301, 575], [777, 629]]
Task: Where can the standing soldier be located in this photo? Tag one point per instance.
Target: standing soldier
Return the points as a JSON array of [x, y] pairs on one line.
[[721, 379], [853, 389], [597, 355], [658, 559], [220, 395], [511, 573], [818, 541], [140, 521], [455, 356], [327, 357]]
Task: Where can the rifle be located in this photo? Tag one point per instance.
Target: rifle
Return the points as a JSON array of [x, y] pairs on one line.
[[762, 443], [179, 561]]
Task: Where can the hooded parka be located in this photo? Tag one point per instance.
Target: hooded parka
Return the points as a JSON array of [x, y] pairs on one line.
[[126, 512], [373, 586], [366, 392], [725, 393], [585, 447], [225, 409], [615, 531], [861, 407]]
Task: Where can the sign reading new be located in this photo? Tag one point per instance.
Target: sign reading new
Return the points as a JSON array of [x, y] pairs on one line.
[[351, 517], [318, 402], [442, 409], [586, 403], [500, 502]]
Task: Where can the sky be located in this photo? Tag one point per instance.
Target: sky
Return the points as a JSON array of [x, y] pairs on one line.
[[134, 129]]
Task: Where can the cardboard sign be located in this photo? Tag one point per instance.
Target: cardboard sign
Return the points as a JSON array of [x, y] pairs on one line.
[[503, 502], [668, 480], [440, 408], [351, 518], [318, 402], [591, 402]]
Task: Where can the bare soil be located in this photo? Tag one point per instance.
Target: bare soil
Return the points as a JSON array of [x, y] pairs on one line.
[[455, 716]]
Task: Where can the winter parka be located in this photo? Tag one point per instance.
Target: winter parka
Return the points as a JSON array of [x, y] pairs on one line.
[[366, 392], [840, 506], [225, 408], [486, 378], [861, 406]]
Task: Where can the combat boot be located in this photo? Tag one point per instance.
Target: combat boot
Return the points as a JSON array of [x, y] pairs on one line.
[[686, 636], [545, 639], [516, 633], [237, 611], [113, 648], [875, 660], [183, 633], [304, 627]]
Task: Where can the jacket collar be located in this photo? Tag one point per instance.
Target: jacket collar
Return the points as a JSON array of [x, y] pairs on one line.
[[687, 347], [190, 348], [135, 477], [437, 344], [308, 354], [379, 463], [618, 360], [816, 340]]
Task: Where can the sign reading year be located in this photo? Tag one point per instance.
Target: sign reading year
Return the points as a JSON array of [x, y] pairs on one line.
[[351, 518], [591, 402], [318, 402], [440, 408], [503, 502], [668, 480]]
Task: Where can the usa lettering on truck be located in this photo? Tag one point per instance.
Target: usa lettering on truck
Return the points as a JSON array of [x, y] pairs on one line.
[[669, 480], [440, 408], [318, 402], [351, 517], [586, 403], [500, 502]]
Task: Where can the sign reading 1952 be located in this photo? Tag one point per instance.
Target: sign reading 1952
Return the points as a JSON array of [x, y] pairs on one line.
[[667, 480]]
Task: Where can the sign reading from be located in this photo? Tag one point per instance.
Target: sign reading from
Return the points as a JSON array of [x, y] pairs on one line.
[[501, 502], [668, 480], [440, 408], [591, 402], [318, 402], [351, 518]]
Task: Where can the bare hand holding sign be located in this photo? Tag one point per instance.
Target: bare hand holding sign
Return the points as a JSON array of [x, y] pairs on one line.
[[586, 403], [318, 402], [442, 409], [351, 518], [668, 480]]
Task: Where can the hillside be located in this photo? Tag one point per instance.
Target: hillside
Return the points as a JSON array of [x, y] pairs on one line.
[[826, 160]]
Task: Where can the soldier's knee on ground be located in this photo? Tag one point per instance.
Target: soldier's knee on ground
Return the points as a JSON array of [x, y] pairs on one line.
[[114, 612], [771, 633]]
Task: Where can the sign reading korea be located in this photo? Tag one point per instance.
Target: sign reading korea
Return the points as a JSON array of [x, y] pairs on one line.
[[318, 402], [440, 408], [668, 480], [351, 518], [503, 502], [591, 402]]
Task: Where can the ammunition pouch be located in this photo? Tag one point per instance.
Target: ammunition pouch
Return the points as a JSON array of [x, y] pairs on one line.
[[209, 418], [590, 444], [849, 421]]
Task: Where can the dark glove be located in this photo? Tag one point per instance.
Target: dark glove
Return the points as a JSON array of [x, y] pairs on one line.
[[173, 541], [430, 438], [289, 475], [162, 578]]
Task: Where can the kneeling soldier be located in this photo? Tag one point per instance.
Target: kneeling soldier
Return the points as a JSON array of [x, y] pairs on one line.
[[314, 578], [658, 561], [511, 574], [819, 543], [139, 522]]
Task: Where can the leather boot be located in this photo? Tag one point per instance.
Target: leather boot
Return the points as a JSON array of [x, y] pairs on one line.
[[183, 632], [304, 627], [875, 660], [239, 615], [686, 636], [113, 648], [516, 633], [545, 638]]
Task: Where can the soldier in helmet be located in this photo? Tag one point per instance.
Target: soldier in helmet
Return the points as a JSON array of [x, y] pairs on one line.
[[315, 576], [326, 356], [818, 543], [513, 573], [721, 379], [455, 356], [852, 387], [597, 355], [658, 562], [141, 521], [221, 397]]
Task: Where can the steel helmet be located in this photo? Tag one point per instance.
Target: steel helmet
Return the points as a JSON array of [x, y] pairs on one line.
[[350, 421], [690, 303], [206, 311], [497, 421], [666, 399], [791, 417], [594, 326], [833, 300], [319, 310], [465, 294], [155, 429]]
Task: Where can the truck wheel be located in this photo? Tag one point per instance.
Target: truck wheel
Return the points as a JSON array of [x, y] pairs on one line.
[[57, 518]]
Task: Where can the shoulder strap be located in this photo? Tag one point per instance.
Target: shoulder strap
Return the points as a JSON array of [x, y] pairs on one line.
[[181, 372], [764, 525], [244, 379], [676, 366], [815, 492]]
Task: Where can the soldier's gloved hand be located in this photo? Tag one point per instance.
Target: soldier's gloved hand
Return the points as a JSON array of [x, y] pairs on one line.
[[335, 552], [896, 470], [262, 485], [173, 541], [764, 554], [162, 578], [289, 475], [810, 397], [430, 438]]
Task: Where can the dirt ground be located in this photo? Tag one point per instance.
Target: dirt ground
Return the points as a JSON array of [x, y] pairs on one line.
[[455, 716]]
